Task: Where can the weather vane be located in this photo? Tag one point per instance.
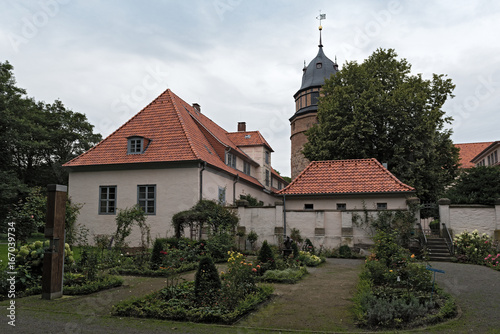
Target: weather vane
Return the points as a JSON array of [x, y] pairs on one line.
[[320, 17]]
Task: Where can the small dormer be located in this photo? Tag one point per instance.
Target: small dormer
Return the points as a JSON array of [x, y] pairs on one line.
[[137, 144]]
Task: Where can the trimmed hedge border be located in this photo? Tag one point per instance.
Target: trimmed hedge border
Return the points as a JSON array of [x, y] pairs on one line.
[[148, 307]]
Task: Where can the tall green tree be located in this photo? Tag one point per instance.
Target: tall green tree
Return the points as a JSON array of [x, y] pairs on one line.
[[36, 139], [377, 109], [478, 185]]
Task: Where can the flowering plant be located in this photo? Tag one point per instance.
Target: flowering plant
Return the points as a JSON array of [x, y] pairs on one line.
[[239, 279], [472, 247], [309, 259], [493, 261]]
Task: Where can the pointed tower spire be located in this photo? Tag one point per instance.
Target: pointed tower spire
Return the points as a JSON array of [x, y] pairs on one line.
[[320, 17]]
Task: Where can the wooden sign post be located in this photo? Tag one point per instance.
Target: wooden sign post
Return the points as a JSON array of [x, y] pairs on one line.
[[53, 259]]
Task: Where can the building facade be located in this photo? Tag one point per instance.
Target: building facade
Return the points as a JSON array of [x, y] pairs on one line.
[[165, 159]]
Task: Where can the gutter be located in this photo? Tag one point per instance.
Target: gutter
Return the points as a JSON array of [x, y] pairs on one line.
[[203, 165], [284, 216], [236, 179]]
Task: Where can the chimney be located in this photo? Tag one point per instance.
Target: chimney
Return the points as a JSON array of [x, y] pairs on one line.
[[197, 107], [242, 126]]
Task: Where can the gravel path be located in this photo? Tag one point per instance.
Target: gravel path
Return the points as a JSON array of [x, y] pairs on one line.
[[477, 291]]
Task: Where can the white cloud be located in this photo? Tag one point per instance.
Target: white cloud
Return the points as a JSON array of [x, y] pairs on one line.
[[242, 61]]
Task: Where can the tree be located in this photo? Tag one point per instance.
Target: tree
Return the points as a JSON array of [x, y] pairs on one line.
[[377, 109], [478, 185], [207, 282], [37, 139]]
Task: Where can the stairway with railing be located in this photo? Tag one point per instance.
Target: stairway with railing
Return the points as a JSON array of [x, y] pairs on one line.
[[438, 248]]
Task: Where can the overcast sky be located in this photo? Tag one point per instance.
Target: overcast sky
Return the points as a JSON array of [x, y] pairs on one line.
[[242, 60]]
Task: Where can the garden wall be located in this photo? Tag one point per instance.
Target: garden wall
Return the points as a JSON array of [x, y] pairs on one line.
[[326, 227], [470, 217]]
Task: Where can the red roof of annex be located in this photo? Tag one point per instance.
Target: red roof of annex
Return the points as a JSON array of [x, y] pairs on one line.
[[345, 177]]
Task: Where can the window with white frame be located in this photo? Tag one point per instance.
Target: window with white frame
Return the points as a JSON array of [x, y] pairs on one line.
[[146, 198], [222, 195], [135, 145], [231, 160], [246, 168], [107, 200]]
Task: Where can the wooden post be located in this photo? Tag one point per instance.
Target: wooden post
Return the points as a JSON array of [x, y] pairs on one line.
[[53, 260]]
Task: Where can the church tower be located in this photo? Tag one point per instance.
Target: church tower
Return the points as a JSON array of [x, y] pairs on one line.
[[306, 104]]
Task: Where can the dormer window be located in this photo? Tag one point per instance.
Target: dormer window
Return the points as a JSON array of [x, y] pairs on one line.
[[231, 160], [135, 145]]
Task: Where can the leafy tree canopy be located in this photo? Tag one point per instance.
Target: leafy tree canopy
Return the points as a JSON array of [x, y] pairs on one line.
[[37, 138], [478, 185], [377, 109]]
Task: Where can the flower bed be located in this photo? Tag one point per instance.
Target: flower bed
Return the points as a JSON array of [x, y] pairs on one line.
[[179, 303], [211, 298], [396, 291]]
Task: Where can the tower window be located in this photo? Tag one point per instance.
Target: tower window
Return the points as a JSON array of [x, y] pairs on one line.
[[319, 65]]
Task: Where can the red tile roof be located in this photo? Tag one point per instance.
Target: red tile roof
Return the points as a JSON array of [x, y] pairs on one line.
[[469, 151], [484, 153], [248, 138], [176, 132], [345, 177]]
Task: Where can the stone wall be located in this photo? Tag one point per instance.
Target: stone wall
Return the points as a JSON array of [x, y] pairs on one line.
[[327, 228], [470, 217]]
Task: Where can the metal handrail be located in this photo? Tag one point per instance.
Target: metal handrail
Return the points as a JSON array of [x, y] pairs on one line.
[[448, 239], [422, 235]]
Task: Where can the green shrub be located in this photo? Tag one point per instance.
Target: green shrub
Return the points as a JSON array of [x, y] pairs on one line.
[[107, 282], [290, 275], [308, 246], [345, 252], [156, 255], [310, 259], [206, 282], [266, 257], [295, 250]]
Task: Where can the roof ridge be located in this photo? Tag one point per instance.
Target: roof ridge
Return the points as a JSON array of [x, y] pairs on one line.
[[118, 129], [181, 120], [297, 178], [387, 171]]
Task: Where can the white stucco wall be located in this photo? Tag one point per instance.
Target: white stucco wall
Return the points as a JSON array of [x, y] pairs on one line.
[[462, 218], [176, 190]]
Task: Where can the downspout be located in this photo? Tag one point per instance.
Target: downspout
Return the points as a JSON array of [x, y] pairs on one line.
[[284, 217], [236, 179], [203, 165]]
